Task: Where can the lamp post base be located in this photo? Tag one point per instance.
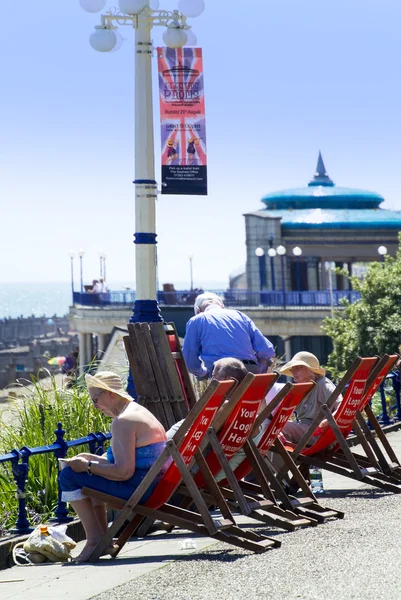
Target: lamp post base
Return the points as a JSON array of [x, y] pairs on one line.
[[146, 311]]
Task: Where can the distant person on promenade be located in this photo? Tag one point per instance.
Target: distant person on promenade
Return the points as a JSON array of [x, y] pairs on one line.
[[138, 439], [100, 287], [216, 332]]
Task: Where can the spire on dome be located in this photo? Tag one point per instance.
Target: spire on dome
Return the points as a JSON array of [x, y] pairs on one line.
[[321, 177]]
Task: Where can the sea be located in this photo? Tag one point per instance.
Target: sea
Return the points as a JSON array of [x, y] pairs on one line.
[[55, 298], [38, 299]]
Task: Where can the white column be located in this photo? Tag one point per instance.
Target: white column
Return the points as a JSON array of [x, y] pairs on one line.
[[89, 348], [312, 274], [82, 352], [145, 211], [287, 348], [101, 342]]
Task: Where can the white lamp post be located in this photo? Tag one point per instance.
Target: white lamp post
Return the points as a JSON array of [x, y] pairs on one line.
[[260, 253], [297, 252], [272, 253], [101, 263], [71, 254], [81, 254], [142, 15], [382, 250], [281, 251], [191, 257]]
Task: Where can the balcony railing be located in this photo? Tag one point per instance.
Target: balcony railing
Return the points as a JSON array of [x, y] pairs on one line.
[[231, 298]]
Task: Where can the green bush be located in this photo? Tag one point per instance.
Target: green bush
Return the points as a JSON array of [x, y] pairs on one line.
[[34, 424]]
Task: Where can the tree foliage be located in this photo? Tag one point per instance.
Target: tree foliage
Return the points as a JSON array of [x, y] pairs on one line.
[[372, 325]]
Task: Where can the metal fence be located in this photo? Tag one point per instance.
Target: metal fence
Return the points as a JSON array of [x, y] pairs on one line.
[[19, 460], [231, 298]]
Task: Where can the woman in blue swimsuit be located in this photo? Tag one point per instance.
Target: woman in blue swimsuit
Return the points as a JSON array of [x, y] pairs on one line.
[[138, 439]]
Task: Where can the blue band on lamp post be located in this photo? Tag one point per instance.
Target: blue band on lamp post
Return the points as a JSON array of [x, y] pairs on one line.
[[145, 238]]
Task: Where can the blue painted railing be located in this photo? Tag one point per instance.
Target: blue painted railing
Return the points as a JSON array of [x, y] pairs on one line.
[[19, 460], [308, 299], [394, 380]]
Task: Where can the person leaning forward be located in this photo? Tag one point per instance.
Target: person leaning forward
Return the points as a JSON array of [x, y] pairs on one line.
[[217, 332]]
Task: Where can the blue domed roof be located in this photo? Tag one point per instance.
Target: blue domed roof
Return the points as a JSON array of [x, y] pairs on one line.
[[321, 192]]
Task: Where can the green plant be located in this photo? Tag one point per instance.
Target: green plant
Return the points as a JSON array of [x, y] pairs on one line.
[[372, 325]]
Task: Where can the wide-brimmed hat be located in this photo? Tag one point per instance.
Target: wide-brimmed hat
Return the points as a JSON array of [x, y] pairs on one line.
[[209, 298], [303, 359], [108, 381]]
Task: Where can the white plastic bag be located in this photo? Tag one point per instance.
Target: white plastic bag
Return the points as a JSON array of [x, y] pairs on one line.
[[52, 542], [59, 532]]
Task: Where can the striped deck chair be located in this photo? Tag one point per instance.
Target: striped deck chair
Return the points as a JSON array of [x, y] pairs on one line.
[[330, 450], [181, 454], [231, 438]]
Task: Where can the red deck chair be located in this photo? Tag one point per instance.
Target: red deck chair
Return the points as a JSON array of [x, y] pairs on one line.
[[374, 463], [330, 451], [182, 455], [231, 439], [307, 506]]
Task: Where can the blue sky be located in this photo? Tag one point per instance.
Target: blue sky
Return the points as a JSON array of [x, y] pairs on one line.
[[283, 79]]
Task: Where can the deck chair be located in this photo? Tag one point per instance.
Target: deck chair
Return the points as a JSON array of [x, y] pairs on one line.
[[155, 373], [374, 463], [181, 454], [267, 484], [375, 457], [330, 450], [180, 364], [226, 441]]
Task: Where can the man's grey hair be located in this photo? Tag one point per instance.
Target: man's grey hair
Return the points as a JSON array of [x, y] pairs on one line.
[[203, 300], [229, 368]]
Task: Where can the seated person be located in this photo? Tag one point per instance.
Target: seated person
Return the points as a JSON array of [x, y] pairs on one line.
[[225, 368], [305, 367], [138, 440]]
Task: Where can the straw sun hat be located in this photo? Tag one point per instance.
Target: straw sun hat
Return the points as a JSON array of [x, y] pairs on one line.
[[303, 359], [108, 381]]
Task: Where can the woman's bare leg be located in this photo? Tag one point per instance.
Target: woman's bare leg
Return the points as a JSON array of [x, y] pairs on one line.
[[100, 513], [94, 520]]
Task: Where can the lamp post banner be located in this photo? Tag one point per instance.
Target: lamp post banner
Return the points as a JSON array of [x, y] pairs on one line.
[[182, 115]]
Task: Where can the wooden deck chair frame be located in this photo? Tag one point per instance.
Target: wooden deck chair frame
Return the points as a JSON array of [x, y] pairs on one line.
[[331, 451], [227, 440], [181, 365], [268, 493], [182, 457], [154, 372]]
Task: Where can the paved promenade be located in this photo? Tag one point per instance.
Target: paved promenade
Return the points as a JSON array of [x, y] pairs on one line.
[[354, 558]]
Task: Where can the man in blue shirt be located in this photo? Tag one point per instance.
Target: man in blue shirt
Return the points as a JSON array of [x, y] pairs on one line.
[[216, 332]]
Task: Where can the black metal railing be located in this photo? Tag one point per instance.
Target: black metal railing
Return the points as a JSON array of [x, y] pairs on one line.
[[19, 460], [231, 298]]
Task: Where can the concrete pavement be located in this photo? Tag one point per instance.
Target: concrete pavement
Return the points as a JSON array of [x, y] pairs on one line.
[[138, 558]]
